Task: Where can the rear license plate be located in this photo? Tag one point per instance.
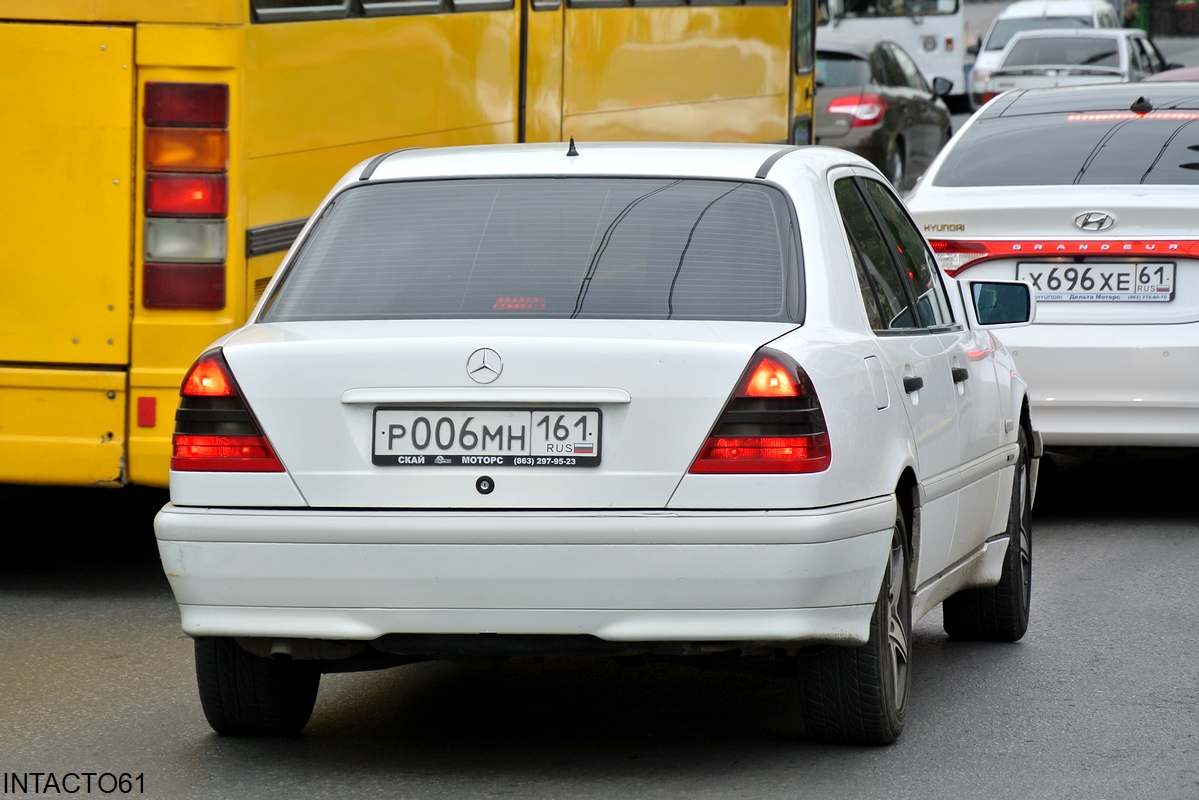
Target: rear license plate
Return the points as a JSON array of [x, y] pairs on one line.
[[1139, 283], [494, 437]]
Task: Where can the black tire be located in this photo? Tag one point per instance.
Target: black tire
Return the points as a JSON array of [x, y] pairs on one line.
[[1000, 613], [859, 695], [244, 695]]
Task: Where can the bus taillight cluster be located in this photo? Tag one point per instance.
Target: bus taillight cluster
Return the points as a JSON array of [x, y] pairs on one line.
[[186, 194]]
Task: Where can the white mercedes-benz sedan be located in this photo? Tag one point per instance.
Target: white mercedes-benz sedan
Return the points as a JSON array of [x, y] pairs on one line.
[[1090, 194], [624, 400]]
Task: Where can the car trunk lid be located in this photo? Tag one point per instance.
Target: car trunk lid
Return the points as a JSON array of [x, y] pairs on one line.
[[656, 386], [1023, 227]]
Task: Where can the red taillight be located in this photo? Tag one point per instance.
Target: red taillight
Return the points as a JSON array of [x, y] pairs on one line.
[[989, 96], [208, 377], [770, 379], [186, 154], [183, 286], [207, 453], [772, 424], [182, 194], [756, 454], [214, 429], [954, 255], [186, 105], [866, 109]]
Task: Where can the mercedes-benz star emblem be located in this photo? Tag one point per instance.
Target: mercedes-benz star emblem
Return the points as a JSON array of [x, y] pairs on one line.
[[1094, 221], [484, 365]]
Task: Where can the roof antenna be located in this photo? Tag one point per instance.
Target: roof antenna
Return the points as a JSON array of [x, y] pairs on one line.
[[1141, 106], [571, 151]]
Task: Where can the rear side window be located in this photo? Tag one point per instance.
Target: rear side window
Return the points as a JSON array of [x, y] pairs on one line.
[[835, 70], [911, 73], [913, 257], [614, 248], [1082, 51], [1090, 148], [883, 294], [1005, 29], [1150, 60]]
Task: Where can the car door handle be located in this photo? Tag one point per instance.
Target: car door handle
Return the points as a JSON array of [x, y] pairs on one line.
[[913, 384], [960, 374]]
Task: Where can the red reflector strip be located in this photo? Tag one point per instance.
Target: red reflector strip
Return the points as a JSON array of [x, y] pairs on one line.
[[182, 194], [187, 105], [183, 286], [764, 454], [1107, 116], [518, 304], [147, 412], [1024, 248], [206, 453]]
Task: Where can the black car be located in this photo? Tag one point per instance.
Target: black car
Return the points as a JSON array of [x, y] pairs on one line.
[[872, 100]]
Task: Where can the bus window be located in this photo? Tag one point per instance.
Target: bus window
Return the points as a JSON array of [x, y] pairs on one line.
[[894, 8], [290, 10], [392, 8], [805, 49]]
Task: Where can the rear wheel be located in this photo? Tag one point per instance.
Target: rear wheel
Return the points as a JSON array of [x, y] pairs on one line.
[[244, 695], [859, 695], [1000, 613]]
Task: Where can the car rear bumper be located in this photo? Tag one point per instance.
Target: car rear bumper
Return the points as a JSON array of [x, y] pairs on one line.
[[755, 576], [1111, 385]]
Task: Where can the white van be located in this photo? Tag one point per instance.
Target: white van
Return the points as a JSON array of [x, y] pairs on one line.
[[1032, 15]]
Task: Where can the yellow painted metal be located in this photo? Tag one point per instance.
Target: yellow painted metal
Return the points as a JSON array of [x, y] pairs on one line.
[[67, 118], [222, 12], [338, 83], [543, 87], [718, 73], [190, 46], [150, 448], [61, 426], [289, 185]]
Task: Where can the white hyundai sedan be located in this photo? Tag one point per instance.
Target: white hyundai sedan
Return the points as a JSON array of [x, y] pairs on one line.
[[1090, 194], [629, 400]]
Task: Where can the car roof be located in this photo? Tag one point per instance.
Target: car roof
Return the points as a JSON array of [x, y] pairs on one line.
[[1041, 33], [1177, 74], [656, 159], [1094, 98], [852, 43], [1053, 8]]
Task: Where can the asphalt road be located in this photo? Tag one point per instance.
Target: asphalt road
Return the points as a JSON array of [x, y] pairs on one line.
[[1098, 701]]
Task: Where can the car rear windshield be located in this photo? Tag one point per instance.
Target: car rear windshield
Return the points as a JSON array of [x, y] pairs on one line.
[[1083, 51], [1005, 29], [615, 248], [835, 70], [1089, 148]]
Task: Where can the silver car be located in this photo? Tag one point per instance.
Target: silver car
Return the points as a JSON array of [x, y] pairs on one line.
[[1072, 57]]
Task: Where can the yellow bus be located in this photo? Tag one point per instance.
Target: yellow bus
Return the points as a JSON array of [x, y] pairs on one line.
[[160, 156]]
